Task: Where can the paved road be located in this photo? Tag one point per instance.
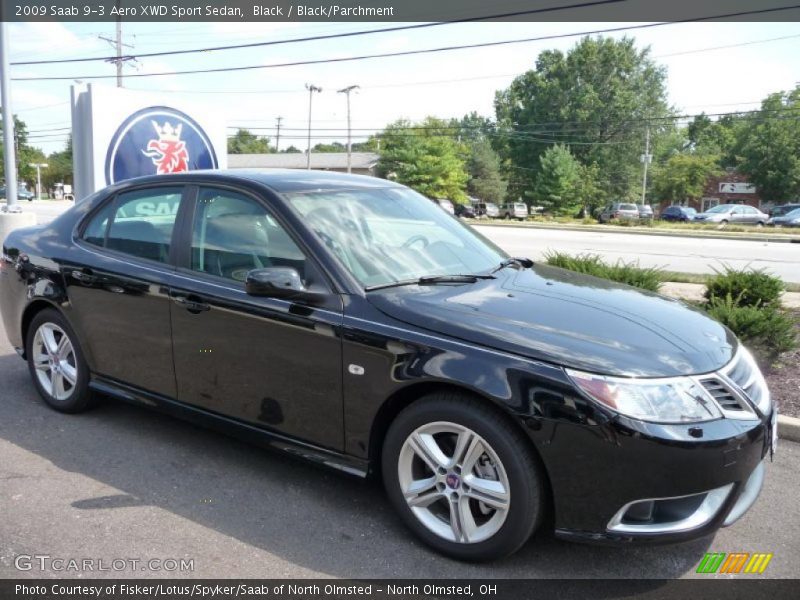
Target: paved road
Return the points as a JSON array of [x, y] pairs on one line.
[[123, 482], [683, 254]]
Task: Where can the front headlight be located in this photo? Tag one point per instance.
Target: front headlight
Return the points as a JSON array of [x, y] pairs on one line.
[[673, 400]]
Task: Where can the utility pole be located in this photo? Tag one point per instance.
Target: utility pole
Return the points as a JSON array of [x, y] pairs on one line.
[[311, 89], [9, 135], [39, 167], [647, 158], [119, 61], [347, 91], [278, 135]]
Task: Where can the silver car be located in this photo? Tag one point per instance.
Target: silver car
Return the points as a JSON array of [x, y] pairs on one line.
[[790, 219], [623, 211], [739, 214], [514, 210]]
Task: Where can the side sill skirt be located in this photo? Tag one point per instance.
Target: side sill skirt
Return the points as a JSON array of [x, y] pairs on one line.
[[233, 427]]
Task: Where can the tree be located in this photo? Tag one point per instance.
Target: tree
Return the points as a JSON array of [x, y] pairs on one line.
[[291, 150], [769, 147], [424, 157], [59, 168], [485, 179], [25, 154], [684, 176], [715, 137], [598, 99], [333, 147], [555, 187], [588, 190], [245, 142]]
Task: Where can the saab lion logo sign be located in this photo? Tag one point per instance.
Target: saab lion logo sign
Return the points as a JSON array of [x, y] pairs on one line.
[[157, 141]]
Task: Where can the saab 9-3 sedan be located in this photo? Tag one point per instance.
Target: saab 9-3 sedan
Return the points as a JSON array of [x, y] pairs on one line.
[[350, 321]]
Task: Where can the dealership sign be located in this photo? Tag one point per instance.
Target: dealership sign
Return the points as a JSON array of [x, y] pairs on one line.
[[736, 188], [119, 134]]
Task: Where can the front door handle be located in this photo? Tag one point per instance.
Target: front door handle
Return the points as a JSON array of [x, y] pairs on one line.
[[191, 304]]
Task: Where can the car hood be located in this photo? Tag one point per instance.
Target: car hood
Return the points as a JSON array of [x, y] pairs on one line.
[[558, 316]]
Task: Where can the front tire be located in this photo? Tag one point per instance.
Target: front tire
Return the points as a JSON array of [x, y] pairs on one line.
[[462, 478], [56, 363]]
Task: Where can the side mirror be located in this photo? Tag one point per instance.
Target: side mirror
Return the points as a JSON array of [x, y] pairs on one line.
[[276, 282]]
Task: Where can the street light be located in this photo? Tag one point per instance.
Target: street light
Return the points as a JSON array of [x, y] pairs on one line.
[[39, 167], [311, 89], [347, 91]]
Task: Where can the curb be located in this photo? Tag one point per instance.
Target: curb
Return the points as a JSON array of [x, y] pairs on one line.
[[748, 237], [788, 428]]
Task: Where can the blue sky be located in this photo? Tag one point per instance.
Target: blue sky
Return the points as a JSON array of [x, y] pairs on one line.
[[466, 80]]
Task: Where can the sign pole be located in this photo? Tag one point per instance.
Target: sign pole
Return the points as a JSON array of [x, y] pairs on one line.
[[9, 135]]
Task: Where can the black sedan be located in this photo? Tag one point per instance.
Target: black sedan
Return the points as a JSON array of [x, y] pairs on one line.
[[350, 321]]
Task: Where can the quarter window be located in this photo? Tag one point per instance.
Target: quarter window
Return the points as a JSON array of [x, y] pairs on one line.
[[233, 234], [138, 223]]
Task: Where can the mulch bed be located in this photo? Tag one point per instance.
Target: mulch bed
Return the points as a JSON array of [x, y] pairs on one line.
[[783, 379]]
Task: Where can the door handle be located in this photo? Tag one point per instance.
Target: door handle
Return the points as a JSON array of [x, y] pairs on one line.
[[193, 306], [84, 276]]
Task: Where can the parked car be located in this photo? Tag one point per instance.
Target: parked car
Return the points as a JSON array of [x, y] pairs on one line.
[[645, 211], [683, 214], [492, 210], [354, 324], [790, 219], [22, 193], [619, 210], [739, 214], [465, 211], [514, 210], [782, 209], [446, 205]]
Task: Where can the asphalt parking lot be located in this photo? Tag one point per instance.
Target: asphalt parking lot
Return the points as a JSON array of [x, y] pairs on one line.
[[124, 483]]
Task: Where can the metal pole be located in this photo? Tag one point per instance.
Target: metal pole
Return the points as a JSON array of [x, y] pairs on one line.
[[278, 135], [119, 49], [646, 158], [38, 181], [9, 136], [347, 91], [311, 89]]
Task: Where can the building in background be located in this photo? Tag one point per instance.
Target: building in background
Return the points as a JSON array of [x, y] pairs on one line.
[[363, 163], [731, 187]]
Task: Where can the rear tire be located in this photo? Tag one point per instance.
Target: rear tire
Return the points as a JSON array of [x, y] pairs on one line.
[[462, 478], [56, 363]]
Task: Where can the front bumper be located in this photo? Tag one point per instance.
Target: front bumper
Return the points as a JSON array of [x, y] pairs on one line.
[[724, 475]]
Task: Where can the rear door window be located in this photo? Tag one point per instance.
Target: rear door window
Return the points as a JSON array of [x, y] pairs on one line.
[[137, 223]]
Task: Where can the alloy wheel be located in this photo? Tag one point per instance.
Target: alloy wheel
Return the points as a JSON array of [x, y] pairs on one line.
[[454, 482], [54, 361]]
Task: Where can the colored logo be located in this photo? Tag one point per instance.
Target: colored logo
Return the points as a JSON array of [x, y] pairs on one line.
[[734, 563], [452, 481], [157, 141]]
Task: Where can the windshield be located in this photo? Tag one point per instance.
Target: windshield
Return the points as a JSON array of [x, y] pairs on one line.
[[388, 235], [628, 207], [690, 211], [780, 211], [722, 208], [793, 214]]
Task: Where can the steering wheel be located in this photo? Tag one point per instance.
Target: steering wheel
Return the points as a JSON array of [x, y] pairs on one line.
[[414, 239]]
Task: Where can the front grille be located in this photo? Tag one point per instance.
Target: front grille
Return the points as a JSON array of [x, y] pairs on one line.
[[722, 394], [744, 375]]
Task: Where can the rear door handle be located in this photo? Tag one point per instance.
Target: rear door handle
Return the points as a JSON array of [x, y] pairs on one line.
[[84, 276], [193, 306]]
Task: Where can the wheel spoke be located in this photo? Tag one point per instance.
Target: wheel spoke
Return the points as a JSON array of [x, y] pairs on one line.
[[490, 492], [49, 340], [461, 520], [52, 381], [422, 492], [475, 450], [58, 386], [465, 444], [41, 362], [69, 372], [429, 451], [64, 348]]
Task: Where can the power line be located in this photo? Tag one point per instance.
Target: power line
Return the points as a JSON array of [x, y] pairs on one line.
[[412, 52], [318, 37]]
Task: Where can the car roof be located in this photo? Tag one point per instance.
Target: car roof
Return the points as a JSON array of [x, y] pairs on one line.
[[279, 180]]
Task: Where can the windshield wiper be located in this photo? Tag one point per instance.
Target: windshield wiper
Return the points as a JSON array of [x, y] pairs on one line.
[[431, 280], [524, 263]]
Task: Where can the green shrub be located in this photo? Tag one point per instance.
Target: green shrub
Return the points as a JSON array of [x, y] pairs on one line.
[[767, 329], [629, 273], [746, 287]]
